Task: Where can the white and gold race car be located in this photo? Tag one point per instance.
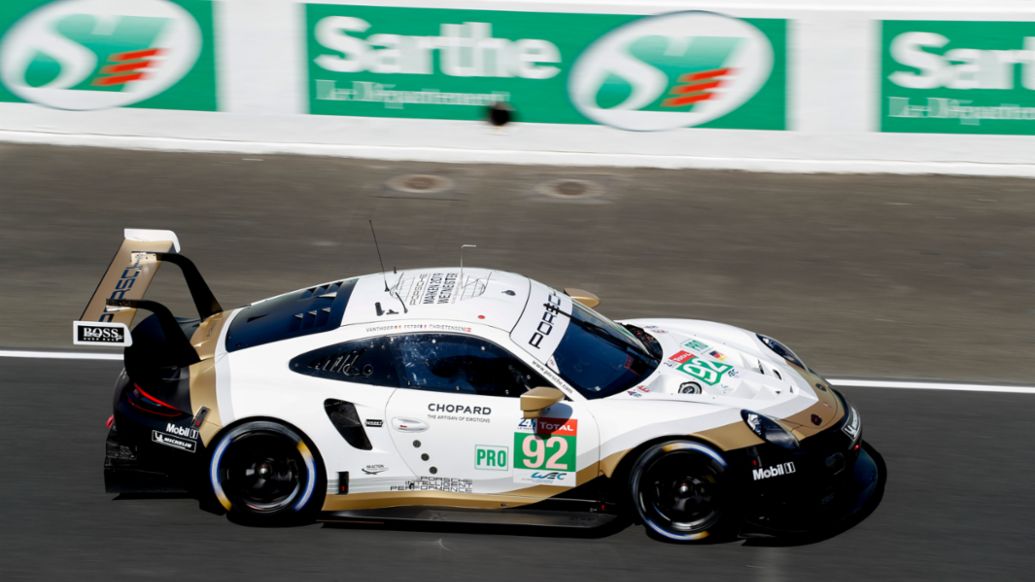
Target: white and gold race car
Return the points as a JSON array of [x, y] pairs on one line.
[[467, 395]]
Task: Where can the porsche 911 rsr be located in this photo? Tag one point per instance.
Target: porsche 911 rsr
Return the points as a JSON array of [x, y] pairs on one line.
[[467, 395]]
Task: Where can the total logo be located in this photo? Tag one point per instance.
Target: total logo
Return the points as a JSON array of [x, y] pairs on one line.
[[96, 54], [670, 71]]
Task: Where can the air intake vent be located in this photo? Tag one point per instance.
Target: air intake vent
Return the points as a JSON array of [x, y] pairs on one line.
[[315, 312], [344, 417]]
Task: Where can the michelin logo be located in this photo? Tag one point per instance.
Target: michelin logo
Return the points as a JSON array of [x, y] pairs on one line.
[[780, 470], [175, 442]]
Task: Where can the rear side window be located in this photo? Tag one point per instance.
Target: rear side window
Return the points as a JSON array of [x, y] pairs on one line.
[[295, 314], [366, 361], [461, 364]]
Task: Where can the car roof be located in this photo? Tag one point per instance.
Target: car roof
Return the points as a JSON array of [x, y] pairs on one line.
[[475, 295]]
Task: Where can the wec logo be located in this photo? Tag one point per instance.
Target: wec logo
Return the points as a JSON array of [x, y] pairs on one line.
[[95, 54], [671, 71]]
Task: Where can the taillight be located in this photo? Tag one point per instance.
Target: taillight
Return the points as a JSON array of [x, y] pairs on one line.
[[144, 402]]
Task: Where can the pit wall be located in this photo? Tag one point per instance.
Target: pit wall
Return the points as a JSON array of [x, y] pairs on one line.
[[907, 87]]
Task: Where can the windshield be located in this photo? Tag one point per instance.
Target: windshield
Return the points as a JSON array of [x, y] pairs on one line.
[[599, 357]]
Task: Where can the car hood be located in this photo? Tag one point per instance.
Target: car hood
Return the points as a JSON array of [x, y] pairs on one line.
[[714, 364]]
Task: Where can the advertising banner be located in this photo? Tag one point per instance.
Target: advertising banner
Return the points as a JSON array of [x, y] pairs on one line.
[[100, 54], [957, 77], [638, 73]]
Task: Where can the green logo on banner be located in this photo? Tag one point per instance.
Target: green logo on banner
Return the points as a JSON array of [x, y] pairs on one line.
[[671, 71], [958, 77], [84, 54], [688, 63], [688, 69]]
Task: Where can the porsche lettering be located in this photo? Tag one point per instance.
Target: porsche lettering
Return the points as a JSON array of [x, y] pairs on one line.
[[553, 306]]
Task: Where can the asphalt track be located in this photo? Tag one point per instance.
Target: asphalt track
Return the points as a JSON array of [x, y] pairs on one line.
[[867, 276]]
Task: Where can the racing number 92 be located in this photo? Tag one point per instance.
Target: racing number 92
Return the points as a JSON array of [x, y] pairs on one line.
[[705, 370], [552, 453]]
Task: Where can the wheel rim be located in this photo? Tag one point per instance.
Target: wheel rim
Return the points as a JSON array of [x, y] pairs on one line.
[[680, 492], [263, 471]]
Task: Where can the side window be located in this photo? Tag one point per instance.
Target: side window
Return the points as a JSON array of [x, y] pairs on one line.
[[454, 363], [365, 361]]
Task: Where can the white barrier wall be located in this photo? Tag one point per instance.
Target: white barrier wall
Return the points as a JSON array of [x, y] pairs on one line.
[[919, 87]]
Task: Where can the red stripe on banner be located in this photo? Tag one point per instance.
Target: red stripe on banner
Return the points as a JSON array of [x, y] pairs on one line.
[[134, 55], [678, 101], [119, 80], [704, 75], [681, 89], [125, 67]]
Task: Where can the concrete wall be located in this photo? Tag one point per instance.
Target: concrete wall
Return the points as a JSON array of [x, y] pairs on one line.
[[902, 87]]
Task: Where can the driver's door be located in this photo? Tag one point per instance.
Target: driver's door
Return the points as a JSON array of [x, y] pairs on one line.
[[457, 422]]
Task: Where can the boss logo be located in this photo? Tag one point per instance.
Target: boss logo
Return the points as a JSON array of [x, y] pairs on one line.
[[97, 333]]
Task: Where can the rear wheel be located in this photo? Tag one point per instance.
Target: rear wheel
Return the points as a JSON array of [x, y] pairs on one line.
[[680, 492], [265, 473]]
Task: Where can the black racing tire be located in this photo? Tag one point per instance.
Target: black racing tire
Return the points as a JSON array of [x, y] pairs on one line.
[[265, 473], [681, 492]]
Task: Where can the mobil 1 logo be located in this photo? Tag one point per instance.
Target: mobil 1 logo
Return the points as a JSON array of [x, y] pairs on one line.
[[778, 470], [184, 438]]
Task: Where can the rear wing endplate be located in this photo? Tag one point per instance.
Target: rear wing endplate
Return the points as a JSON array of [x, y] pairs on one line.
[[114, 302]]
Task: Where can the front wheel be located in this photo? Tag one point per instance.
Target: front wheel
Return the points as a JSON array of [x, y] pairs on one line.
[[681, 492], [265, 473]]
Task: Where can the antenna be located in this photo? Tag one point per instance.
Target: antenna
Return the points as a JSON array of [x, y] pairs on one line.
[[462, 247], [378, 248]]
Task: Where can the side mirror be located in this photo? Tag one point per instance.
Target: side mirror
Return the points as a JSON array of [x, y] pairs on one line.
[[535, 400]]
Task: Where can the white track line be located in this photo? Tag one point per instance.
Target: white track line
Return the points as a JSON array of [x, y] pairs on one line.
[[59, 355], [933, 386], [904, 385]]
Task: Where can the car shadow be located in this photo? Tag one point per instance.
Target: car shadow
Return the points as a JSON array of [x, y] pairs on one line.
[[861, 513], [607, 530]]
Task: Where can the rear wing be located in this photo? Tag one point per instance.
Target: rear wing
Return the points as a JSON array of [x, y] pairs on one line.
[[114, 303]]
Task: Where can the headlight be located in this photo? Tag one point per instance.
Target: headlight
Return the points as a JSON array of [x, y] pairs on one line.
[[781, 350], [769, 430]]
